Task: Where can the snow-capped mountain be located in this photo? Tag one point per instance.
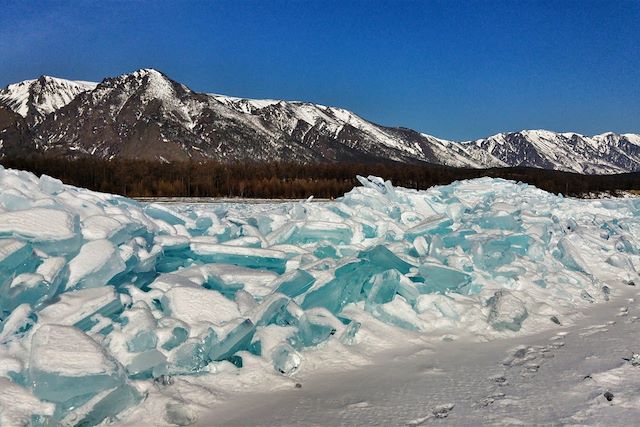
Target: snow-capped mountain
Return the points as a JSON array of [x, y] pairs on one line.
[[146, 115], [34, 99]]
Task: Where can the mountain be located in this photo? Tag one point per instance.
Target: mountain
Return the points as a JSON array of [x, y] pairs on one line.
[[35, 99], [146, 115]]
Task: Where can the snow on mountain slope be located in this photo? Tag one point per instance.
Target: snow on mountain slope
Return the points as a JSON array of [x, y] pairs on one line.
[[146, 115], [41, 96]]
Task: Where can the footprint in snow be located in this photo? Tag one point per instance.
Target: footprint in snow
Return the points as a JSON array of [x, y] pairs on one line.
[[358, 405], [594, 329], [440, 411]]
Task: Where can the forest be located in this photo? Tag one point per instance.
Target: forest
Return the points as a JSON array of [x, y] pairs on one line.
[[137, 178]]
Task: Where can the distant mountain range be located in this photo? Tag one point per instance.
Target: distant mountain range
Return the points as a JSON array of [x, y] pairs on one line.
[[146, 115]]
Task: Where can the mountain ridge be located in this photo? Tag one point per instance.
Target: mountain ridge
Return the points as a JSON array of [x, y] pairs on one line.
[[147, 115]]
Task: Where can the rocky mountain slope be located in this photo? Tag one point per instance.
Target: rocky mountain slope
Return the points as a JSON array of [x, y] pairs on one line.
[[146, 115]]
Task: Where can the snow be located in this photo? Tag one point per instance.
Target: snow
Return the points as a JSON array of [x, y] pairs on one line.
[[46, 94], [41, 224], [65, 350], [195, 304]]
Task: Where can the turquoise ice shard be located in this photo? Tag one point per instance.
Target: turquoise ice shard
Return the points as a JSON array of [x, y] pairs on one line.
[[26, 288], [158, 211], [148, 364], [269, 309], [440, 278], [384, 259], [294, 283], [238, 338], [268, 259], [348, 336], [570, 256], [344, 288], [140, 328], [102, 406], [506, 311], [96, 263], [13, 254], [312, 231], [439, 224], [286, 360], [193, 355], [17, 324], [314, 327], [382, 287], [66, 364], [19, 405], [79, 308]]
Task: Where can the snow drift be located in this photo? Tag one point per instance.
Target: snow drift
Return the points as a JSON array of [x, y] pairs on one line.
[[101, 295]]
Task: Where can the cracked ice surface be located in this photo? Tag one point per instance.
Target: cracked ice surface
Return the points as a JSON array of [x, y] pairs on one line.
[[103, 298]]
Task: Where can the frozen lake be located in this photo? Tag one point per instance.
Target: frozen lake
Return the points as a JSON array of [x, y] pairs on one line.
[[387, 306]]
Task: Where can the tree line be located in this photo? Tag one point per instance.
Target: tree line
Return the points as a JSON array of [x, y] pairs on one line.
[[139, 178]]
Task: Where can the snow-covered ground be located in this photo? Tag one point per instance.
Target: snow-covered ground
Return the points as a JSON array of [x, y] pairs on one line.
[[483, 301], [555, 377]]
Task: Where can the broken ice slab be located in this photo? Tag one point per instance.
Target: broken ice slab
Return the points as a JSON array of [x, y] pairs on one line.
[[569, 254], [439, 224], [269, 309], [162, 213], [500, 222], [148, 364], [293, 283], [66, 364], [26, 288], [440, 278], [344, 288], [139, 327], [286, 360], [97, 262], [104, 405], [17, 324], [348, 336], [506, 311], [382, 287], [39, 224], [15, 257], [193, 355], [248, 257], [237, 339], [77, 308], [314, 327], [313, 231], [396, 312], [408, 290], [383, 259], [18, 405], [194, 305]]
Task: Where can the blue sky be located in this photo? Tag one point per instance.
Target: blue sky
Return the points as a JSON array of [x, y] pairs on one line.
[[454, 69]]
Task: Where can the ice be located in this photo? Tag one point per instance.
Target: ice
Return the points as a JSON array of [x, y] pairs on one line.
[[103, 299], [382, 287], [97, 262], [77, 308], [39, 224], [67, 365], [440, 278], [506, 311], [286, 360], [249, 257], [294, 283], [18, 405], [197, 305], [236, 339]]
